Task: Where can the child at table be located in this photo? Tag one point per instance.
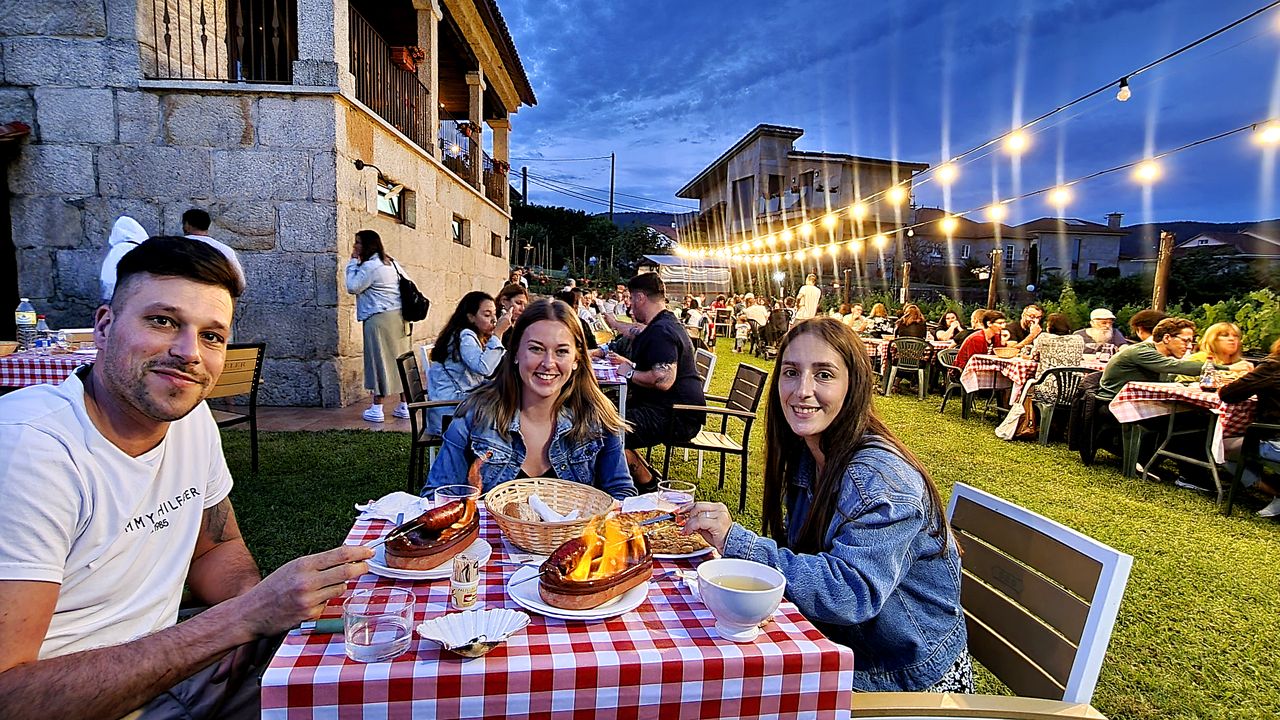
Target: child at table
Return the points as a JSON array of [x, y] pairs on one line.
[[1263, 381], [853, 520]]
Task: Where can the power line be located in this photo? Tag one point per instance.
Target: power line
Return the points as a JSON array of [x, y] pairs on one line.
[[550, 185], [622, 194], [538, 159]]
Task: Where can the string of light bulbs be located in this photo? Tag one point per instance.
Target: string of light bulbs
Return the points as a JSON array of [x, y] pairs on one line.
[[1015, 142], [1146, 170]]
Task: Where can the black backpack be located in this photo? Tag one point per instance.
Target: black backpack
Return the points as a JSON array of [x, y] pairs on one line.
[[413, 304]]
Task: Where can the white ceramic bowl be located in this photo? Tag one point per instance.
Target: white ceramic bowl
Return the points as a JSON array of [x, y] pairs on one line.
[[739, 612]]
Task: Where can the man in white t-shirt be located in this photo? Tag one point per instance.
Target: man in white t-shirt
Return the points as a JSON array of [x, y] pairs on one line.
[[807, 298], [116, 495]]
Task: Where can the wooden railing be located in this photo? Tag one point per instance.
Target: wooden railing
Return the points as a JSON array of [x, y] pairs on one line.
[[392, 92], [228, 40]]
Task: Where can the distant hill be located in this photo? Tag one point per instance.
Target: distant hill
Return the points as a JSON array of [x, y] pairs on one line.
[[1142, 239]]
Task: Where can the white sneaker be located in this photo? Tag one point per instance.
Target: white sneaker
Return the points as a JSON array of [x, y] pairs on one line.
[[1271, 510], [401, 411], [374, 414]]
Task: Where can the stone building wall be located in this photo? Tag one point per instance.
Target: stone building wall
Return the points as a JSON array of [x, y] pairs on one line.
[[272, 164]]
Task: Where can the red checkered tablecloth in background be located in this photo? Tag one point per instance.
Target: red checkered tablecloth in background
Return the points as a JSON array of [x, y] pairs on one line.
[[25, 368], [606, 373], [663, 656], [1141, 400], [984, 371], [877, 347]]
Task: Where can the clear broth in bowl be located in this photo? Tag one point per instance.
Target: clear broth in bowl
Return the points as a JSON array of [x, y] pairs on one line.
[[742, 582]]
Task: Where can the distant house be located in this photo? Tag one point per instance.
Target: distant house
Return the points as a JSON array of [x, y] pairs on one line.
[[1257, 245], [294, 123], [763, 182], [1073, 248]]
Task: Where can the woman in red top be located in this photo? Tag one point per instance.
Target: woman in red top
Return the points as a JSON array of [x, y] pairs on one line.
[[981, 343]]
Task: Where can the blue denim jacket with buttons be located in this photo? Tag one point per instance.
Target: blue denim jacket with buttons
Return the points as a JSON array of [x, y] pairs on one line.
[[599, 461], [880, 587]]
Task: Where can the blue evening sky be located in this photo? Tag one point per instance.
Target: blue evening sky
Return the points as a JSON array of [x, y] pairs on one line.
[[670, 85]]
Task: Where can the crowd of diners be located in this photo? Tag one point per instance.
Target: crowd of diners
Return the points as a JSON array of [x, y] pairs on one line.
[[122, 472]]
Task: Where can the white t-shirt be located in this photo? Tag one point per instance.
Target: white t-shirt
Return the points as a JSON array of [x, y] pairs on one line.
[[759, 313], [116, 532], [807, 301]]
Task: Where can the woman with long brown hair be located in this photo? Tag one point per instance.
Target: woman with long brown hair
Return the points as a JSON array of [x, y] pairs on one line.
[[912, 323], [541, 415], [852, 519], [371, 275]]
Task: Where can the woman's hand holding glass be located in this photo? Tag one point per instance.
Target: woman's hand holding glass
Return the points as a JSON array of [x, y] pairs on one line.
[[711, 520]]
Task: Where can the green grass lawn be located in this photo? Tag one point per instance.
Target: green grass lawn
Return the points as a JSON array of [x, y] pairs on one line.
[[1197, 634]]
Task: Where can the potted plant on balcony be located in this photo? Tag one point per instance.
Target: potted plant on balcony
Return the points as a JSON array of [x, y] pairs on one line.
[[407, 57], [468, 129]]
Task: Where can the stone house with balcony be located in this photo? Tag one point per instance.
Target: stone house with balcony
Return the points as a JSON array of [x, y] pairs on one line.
[[258, 110]]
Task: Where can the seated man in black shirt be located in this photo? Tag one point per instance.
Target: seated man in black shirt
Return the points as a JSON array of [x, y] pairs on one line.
[[662, 373]]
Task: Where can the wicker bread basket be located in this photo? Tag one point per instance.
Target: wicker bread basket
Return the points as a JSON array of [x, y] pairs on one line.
[[560, 495], [1005, 352]]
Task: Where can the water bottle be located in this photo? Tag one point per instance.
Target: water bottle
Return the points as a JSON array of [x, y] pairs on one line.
[[25, 318], [43, 336], [1209, 377], [60, 341]]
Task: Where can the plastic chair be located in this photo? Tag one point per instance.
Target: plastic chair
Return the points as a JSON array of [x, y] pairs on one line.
[[1040, 601], [947, 359], [1253, 437], [241, 375], [908, 355], [1065, 381]]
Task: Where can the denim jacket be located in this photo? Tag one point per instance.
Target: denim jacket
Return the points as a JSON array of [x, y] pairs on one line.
[[466, 368], [598, 462], [880, 587]]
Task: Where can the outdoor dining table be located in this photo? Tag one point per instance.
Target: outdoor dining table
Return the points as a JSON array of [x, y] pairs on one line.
[[1144, 400], [21, 369], [878, 350], [607, 376], [664, 656]]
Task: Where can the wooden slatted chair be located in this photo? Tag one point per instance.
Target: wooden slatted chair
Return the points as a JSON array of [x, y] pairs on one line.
[[724, 323], [420, 441], [705, 361], [241, 375], [741, 403], [1040, 599]]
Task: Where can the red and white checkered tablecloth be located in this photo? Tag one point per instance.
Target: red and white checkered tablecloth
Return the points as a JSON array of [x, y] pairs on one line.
[[877, 347], [26, 368], [986, 371], [1141, 400], [607, 373], [663, 657], [1093, 363]]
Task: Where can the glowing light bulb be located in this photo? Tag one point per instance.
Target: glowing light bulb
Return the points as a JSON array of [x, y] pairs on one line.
[[833, 249], [1060, 196], [880, 240], [1124, 93], [771, 240], [855, 246], [896, 195], [1147, 172], [997, 212], [455, 149], [757, 244], [787, 236], [946, 173], [816, 252], [806, 230], [680, 251], [1267, 133], [830, 221], [948, 225], [858, 211], [1016, 142]]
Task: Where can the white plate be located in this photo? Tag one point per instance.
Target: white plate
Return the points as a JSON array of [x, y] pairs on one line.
[[683, 556], [94, 351], [526, 596], [378, 564]]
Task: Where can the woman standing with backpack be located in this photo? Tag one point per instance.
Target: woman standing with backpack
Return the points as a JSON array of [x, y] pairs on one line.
[[372, 277]]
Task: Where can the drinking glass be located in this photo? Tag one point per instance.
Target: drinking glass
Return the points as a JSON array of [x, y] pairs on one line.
[[448, 493], [674, 494], [378, 623]]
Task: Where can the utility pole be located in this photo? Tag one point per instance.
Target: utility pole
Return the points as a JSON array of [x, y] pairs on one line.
[[613, 162], [524, 184], [1164, 262], [994, 280]]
